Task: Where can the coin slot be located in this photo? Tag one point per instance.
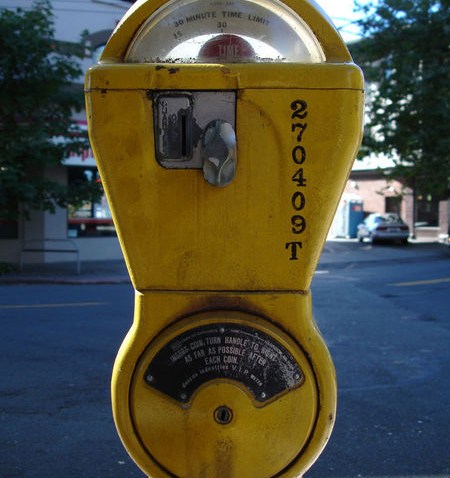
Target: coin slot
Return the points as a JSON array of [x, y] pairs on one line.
[[180, 119], [173, 126], [185, 149]]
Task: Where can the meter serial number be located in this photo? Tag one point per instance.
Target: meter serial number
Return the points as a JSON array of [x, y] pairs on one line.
[[297, 224]]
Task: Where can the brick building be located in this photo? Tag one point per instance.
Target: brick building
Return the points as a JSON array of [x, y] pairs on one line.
[[427, 216]]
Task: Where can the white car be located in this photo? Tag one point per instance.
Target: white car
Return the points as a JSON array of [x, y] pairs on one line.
[[383, 227]]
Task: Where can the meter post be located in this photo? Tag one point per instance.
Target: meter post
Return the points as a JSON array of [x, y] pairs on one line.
[[224, 133]]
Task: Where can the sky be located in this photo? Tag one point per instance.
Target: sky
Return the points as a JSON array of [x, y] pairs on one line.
[[342, 14]]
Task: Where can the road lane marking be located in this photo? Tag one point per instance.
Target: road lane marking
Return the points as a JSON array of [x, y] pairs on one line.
[[421, 282], [49, 306], [411, 476]]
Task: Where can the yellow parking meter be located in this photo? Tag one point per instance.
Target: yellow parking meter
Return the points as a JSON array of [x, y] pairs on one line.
[[224, 132]]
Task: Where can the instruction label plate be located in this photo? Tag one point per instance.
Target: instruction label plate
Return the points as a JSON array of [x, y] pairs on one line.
[[224, 350]]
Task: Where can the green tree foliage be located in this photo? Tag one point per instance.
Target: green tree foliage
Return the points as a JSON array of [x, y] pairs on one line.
[[405, 58], [38, 96]]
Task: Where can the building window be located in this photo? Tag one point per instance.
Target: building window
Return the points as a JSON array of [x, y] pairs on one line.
[[8, 229], [393, 204], [427, 209], [92, 219]]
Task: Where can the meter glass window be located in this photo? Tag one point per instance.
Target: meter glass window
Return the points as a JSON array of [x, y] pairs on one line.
[[224, 31]]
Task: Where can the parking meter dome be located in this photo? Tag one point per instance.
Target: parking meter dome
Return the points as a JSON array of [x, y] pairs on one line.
[[181, 31]]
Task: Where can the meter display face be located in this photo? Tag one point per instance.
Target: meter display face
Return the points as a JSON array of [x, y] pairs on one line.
[[224, 31]]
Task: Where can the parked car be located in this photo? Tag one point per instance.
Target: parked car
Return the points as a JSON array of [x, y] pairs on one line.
[[383, 227]]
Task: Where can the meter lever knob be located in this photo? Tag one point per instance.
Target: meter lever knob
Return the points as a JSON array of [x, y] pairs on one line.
[[219, 153]]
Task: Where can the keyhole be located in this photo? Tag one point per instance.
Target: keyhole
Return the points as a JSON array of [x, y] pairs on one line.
[[223, 415]]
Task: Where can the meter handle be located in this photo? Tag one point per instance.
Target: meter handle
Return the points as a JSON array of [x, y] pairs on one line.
[[219, 153]]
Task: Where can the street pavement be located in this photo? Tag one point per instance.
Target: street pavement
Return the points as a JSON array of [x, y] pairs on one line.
[[383, 311], [336, 253]]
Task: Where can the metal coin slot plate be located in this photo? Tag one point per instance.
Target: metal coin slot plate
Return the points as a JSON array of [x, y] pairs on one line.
[[223, 351], [180, 120]]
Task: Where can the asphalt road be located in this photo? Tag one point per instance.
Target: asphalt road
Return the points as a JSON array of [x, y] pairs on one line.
[[385, 317], [387, 324]]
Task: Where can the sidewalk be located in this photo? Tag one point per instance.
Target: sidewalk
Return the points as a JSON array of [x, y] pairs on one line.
[[341, 252], [336, 253], [92, 272]]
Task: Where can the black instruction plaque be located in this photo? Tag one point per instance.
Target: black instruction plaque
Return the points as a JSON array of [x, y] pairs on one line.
[[223, 350]]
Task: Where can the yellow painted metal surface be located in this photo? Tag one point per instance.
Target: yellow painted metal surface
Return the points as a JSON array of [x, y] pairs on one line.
[[244, 254], [189, 441], [301, 420], [171, 222]]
